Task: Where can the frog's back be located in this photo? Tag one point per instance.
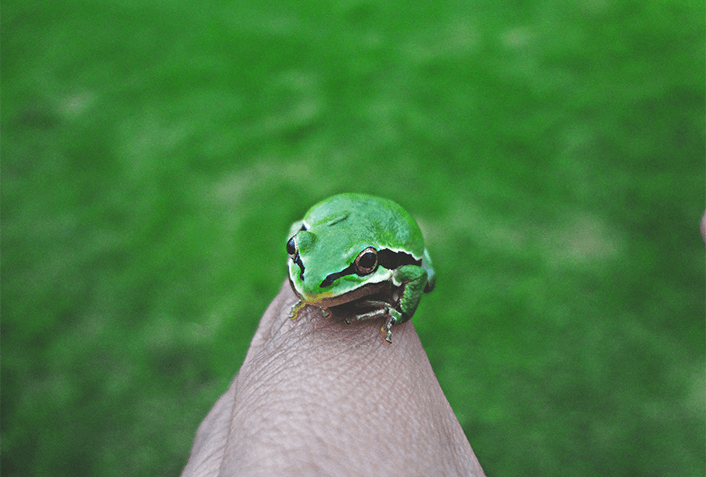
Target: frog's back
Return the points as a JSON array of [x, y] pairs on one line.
[[371, 219]]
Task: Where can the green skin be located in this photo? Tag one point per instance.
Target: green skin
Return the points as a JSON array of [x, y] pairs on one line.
[[350, 247]]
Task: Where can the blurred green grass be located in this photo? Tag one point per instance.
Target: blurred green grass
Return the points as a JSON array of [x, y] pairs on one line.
[[155, 153]]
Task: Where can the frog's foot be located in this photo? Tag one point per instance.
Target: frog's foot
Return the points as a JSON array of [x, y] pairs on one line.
[[394, 317], [296, 308]]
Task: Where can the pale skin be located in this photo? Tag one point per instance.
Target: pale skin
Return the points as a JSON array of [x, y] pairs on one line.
[[316, 396]]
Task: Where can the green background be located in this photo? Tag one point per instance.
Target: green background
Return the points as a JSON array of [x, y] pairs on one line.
[[154, 154]]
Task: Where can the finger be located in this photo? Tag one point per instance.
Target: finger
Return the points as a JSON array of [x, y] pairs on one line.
[[316, 396]]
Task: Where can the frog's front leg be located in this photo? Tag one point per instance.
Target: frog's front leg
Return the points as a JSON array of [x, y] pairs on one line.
[[413, 279], [297, 307]]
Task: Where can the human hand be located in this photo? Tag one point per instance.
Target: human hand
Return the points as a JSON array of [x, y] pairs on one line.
[[316, 396]]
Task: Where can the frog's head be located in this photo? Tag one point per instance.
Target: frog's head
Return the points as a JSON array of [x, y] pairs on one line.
[[327, 266]]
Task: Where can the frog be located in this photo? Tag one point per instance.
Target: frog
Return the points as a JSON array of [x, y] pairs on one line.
[[363, 250]]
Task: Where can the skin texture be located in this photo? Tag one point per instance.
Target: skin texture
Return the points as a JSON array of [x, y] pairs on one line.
[[316, 396]]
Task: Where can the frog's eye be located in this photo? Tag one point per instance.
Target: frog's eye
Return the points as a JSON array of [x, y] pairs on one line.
[[291, 247], [366, 262]]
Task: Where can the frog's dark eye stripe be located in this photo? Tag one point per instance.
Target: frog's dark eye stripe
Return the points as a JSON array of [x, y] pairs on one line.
[[391, 260], [328, 281], [298, 261], [385, 258]]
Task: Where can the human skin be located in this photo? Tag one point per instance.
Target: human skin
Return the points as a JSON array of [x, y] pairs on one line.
[[316, 396]]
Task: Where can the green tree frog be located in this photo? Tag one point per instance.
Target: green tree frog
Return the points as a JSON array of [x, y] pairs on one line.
[[361, 250]]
